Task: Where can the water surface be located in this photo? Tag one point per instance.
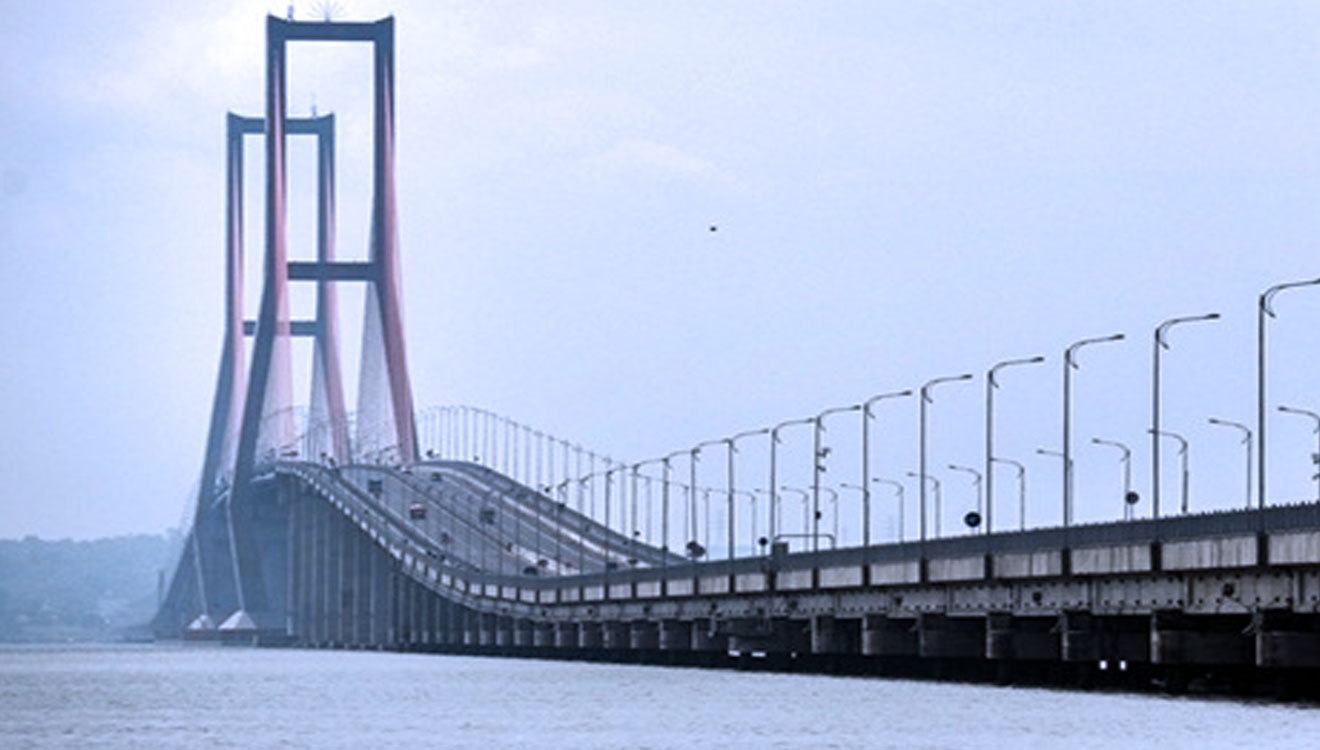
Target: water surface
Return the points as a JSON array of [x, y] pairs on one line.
[[176, 696]]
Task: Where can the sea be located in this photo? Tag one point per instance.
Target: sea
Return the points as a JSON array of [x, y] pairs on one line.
[[177, 696]]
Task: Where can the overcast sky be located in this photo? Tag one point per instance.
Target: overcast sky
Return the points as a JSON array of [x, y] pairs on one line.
[[902, 190]]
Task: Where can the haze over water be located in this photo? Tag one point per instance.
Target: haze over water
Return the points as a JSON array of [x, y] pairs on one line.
[[164, 696]]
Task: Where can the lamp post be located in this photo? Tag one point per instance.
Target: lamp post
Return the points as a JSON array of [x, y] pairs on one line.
[[664, 508], [925, 398], [1070, 364], [934, 482], [992, 383], [1126, 460], [692, 477], [806, 505], [834, 513], [848, 486], [1161, 343], [1316, 457], [819, 454], [971, 521], [1022, 489], [898, 490], [1066, 459], [1246, 441], [1182, 455], [1265, 308], [866, 461], [732, 448], [773, 510]]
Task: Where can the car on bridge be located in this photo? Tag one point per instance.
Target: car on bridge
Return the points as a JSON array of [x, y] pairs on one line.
[[417, 511]]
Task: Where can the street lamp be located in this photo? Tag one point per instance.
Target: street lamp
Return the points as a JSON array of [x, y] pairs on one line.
[[992, 383], [1182, 455], [1264, 309], [664, 507], [636, 474], [898, 490], [1066, 462], [1158, 344], [925, 399], [972, 519], [731, 446], [935, 482], [1070, 364], [1022, 489], [834, 504], [806, 505], [1246, 441], [1316, 457], [817, 466], [774, 495], [866, 460], [692, 475], [1126, 460]]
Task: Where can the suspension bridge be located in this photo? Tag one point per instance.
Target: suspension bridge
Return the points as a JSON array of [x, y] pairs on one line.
[[454, 529]]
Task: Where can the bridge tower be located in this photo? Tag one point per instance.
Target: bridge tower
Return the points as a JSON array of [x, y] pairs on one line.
[[385, 425], [252, 421]]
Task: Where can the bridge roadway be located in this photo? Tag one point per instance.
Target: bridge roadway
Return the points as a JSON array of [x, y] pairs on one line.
[[1231, 595]]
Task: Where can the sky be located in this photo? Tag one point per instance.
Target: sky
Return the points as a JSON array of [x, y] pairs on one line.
[[900, 191]]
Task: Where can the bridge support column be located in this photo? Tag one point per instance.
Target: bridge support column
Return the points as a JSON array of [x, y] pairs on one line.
[[1078, 639], [1176, 638], [589, 635], [944, 637], [675, 635], [524, 634], [361, 577], [504, 631], [644, 635], [1021, 638], [705, 635], [566, 635], [317, 621], [334, 591], [486, 629], [616, 636], [301, 568], [543, 634], [823, 635], [381, 576], [888, 636], [404, 601], [1283, 640]]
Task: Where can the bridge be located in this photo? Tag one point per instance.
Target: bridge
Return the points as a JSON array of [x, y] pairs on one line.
[[454, 529]]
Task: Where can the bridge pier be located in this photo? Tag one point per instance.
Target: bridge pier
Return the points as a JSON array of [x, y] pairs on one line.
[[823, 635], [589, 636], [337, 592], [504, 630], [944, 637], [486, 630], [1284, 640], [706, 635], [644, 635], [615, 636], [317, 622], [1179, 639], [1021, 638], [675, 635], [888, 636], [543, 635], [566, 635], [524, 634]]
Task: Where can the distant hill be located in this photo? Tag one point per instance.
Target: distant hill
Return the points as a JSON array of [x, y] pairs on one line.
[[90, 590]]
